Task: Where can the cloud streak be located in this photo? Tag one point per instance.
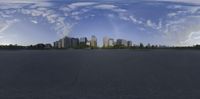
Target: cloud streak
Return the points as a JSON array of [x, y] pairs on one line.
[[183, 1], [37, 10]]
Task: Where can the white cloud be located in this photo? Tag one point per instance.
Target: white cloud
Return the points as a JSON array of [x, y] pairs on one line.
[[120, 10], [193, 38], [130, 18], [11, 6], [34, 21], [81, 4], [149, 23], [171, 14], [3, 27], [123, 17], [157, 26], [63, 28], [133, 19], [182, 10], [66, 9], [5, 24], [76, 5], [34, 9], [184, 1], [75, 13], [175, 7], [182, 25], [106, 6], [23, 1], [182, 30], [110, 7], [76, 10], [42, 4]]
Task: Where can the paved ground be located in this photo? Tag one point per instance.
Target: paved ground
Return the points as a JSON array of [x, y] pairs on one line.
[[100, 74]]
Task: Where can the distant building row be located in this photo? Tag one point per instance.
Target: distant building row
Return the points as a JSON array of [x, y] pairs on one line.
[[109, 42], [68, 42]]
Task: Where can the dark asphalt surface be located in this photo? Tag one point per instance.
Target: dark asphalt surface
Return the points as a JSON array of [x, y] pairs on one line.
[[100, 74]]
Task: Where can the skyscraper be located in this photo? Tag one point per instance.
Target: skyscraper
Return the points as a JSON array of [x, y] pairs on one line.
[[88, 43], [66, 42], [83, 41], [111, 42], [74, 42], [63, 43], [60, 43], [105, 42], [124, 43], [93, 42], [129, 44], [55, 44], [121, 42]]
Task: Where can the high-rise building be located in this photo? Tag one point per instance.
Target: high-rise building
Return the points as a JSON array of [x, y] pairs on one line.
[[66, 42], [74, 42], [55, 44], [111, 42], [105, 42], [121, 42], [93, 42], [83, 41], [63, 43], [129, 44], [88, 43], [60, 43], [124, 43]]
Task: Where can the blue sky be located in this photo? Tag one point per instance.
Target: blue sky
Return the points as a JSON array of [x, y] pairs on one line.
[[165, 22]]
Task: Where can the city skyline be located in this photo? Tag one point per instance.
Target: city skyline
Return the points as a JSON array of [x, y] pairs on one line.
[[158, 22], [84, 42]]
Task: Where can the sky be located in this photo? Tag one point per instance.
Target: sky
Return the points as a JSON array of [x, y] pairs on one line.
[[161, 22]]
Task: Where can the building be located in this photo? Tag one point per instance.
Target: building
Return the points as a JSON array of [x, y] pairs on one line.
[[60, 43], [48, 46], [63, 43], [83, 41], [93, 42], [67, 42], [108, 42], [74, 42], [124, 43], [121, 42], [88, 43], [129, 44], [55, 44], [111, 42], [105, 42]]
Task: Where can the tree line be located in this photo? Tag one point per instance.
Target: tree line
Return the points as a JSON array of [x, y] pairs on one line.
[[140, 46]]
